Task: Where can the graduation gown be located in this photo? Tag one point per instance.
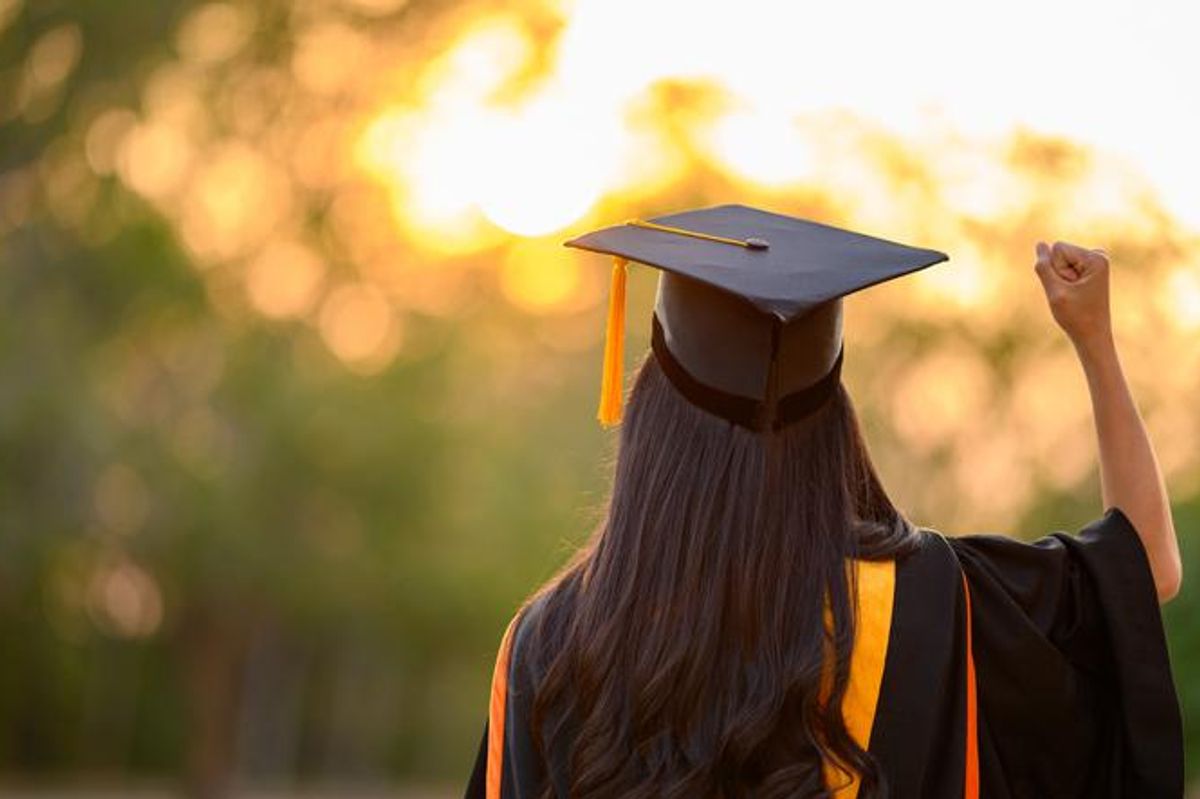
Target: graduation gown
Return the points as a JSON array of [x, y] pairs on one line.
[[982, 666]]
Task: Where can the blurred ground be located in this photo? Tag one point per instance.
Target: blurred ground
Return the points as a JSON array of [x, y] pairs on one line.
[[308, 792]]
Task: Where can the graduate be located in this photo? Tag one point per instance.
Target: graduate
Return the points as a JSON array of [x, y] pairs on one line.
[[754, 617]]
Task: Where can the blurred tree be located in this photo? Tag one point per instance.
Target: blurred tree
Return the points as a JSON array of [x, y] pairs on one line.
[[283, 441]]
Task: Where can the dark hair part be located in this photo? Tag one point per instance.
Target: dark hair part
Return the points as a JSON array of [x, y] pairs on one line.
[[685, 640]]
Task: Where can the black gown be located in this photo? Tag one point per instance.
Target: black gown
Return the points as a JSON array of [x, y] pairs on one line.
[[1072, 694]]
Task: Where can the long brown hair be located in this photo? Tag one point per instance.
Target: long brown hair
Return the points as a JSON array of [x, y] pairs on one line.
[[684, 643]]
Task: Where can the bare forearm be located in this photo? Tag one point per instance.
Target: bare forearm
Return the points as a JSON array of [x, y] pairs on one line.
[[1130, 477]]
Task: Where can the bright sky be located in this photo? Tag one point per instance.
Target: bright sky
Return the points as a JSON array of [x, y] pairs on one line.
[[1111, 76], [1118, 75]]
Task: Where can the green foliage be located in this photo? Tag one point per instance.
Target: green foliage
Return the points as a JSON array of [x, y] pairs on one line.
[[1182, 619]]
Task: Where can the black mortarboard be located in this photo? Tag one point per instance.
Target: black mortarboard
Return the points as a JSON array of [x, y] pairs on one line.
[[748, 319]]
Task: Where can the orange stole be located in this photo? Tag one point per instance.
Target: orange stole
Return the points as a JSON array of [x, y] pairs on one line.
[[876, 601], [496, 709], [971, 774], [873, 626]]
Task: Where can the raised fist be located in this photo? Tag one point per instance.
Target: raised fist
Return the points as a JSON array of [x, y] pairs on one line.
[[1076, 283]]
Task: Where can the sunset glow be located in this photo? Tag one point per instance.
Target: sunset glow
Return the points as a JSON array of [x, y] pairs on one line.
[[363, 177]]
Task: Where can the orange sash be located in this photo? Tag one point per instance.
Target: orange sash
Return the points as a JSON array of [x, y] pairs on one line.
[[876, 598], [971, 776]]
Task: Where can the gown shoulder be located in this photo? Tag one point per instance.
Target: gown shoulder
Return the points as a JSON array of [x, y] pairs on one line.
[[1075, 683]]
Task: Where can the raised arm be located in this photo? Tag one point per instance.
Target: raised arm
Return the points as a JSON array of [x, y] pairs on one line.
[[1076, 283]]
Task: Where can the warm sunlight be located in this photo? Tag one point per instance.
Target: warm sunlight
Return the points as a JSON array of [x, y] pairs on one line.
[[367, 177], [534, 156]]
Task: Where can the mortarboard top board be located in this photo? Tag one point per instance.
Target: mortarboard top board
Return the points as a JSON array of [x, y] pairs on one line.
[[747, 322]]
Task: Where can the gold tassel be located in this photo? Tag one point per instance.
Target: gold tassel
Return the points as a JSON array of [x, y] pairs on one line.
[[612, 382]]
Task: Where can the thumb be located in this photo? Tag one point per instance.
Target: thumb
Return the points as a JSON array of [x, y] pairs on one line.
[[1042, 266]]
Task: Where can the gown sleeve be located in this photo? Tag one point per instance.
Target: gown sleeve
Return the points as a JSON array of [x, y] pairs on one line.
[[1074, 682]]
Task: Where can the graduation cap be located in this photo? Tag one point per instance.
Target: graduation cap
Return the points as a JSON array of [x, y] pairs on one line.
[[748, 318]]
